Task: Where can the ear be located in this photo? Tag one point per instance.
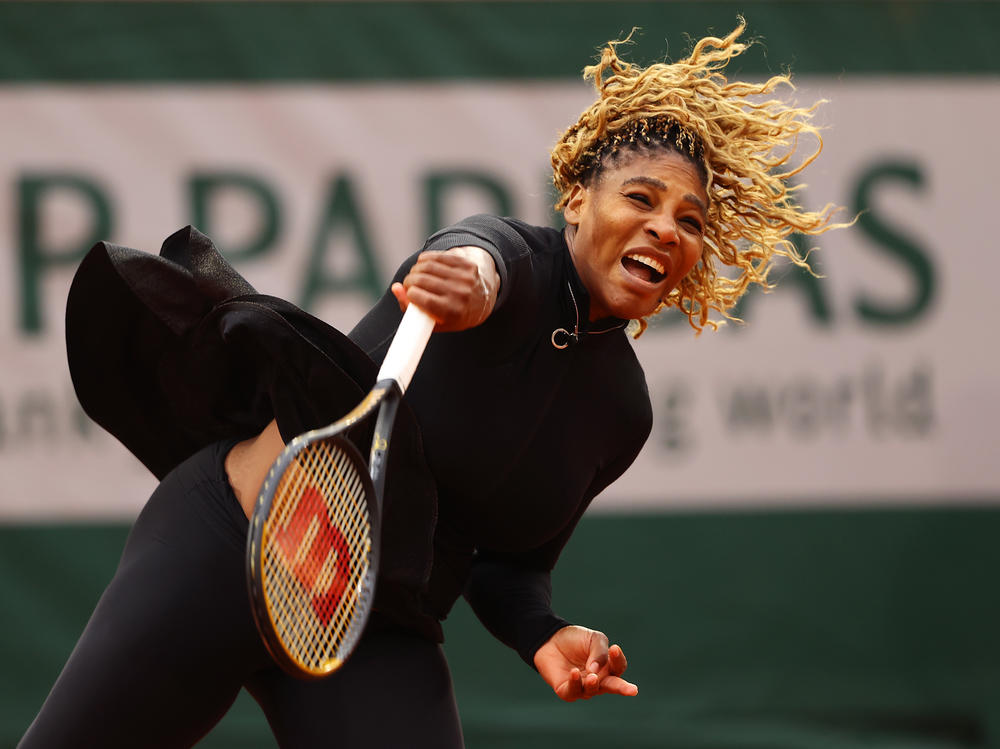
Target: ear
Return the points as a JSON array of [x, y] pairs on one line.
[[574, 206]]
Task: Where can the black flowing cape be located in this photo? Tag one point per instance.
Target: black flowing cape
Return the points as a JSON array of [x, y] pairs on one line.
[[170, 353]]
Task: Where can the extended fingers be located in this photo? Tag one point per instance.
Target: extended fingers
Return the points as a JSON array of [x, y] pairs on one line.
[[613, 683], [617, 685], [579, 663], [583, 686], [617, 662]]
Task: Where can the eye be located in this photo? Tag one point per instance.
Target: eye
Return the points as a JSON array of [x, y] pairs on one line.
[[639, 198], [693, 223]]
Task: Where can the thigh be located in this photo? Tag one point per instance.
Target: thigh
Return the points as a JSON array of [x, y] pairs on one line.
[[171, 639], [394, 691]]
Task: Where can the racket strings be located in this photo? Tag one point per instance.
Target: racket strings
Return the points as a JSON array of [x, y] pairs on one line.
[[316, 548]]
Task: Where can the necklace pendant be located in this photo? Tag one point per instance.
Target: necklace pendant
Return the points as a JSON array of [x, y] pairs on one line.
[[561, 338]]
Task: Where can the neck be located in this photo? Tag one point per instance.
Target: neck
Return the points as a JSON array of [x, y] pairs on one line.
[[569, 233]]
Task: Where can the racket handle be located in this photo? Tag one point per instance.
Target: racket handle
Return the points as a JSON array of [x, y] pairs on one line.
[[407, 347]]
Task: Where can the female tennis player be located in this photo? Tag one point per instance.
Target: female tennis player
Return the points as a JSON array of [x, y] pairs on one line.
[[528, 402]]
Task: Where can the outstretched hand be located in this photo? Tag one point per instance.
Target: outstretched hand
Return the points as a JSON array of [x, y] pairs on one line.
[[578, 664], [458, 288]]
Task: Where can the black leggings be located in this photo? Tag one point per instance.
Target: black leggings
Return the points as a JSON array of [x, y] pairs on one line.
[[172, 641]]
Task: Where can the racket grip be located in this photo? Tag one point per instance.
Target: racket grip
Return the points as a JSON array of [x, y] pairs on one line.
[[407, 347]]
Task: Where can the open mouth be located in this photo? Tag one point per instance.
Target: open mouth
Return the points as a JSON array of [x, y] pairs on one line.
[[644, 267]]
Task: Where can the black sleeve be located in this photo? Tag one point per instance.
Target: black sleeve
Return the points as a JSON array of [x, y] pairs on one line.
[[514, 602], [497, 236], [511, 594], [494, 235]]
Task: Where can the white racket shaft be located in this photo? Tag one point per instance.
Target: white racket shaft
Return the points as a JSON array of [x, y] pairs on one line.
[[407, 347]]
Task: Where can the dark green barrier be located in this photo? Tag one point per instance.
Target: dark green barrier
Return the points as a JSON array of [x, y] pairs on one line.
[[364, 41], [803, 630]]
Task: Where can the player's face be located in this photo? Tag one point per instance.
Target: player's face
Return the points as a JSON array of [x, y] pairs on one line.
[[636, 231]]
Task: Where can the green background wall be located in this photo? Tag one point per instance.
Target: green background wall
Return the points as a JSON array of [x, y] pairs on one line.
[[797, 629]]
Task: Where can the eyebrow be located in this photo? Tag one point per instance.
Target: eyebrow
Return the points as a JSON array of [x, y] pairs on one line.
[[661, 185]]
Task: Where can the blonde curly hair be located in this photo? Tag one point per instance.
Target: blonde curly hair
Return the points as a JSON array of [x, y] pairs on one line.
[[743, 145]]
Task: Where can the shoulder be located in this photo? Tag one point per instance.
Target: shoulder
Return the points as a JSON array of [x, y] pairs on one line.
[[514, 237]]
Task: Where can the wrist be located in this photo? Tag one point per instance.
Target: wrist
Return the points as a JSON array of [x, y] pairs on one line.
[[542, 630], [486, 270], [484, 263]]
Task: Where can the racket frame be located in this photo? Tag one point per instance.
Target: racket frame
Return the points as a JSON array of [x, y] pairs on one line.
[[392, 381]]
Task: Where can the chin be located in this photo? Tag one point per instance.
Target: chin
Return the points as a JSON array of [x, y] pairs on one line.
[[637, 311], [630, 304]]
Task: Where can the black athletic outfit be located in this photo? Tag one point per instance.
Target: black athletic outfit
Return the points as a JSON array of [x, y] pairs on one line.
[[177, 356]]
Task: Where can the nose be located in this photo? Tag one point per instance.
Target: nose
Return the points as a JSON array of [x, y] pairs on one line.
[[662, 228]]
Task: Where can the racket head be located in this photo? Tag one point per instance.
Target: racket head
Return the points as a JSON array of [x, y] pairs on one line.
[[312, 554]]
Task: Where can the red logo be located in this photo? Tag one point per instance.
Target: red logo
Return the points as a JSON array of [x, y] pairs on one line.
[[308, 563]]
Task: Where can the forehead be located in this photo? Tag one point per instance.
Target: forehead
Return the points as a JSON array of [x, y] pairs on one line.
[[667, 167]]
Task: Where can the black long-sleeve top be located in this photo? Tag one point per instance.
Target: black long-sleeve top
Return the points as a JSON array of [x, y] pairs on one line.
[[515, 436], [520, 435]]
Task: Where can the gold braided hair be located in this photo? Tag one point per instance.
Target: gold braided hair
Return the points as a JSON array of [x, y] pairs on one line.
[[744, 144]]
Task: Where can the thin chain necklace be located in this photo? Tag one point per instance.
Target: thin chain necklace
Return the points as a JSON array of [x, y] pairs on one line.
[[561, 338]]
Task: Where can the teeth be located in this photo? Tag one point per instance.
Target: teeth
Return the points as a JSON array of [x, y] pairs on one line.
[[651, 262]]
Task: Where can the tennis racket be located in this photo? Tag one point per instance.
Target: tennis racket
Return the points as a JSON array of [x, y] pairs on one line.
[[313, 545]]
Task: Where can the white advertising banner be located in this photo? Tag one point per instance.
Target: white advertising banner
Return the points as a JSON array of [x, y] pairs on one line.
[[874, 384]]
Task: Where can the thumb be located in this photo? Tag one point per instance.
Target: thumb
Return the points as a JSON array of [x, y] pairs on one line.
[[399, 291], [597, 658]]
